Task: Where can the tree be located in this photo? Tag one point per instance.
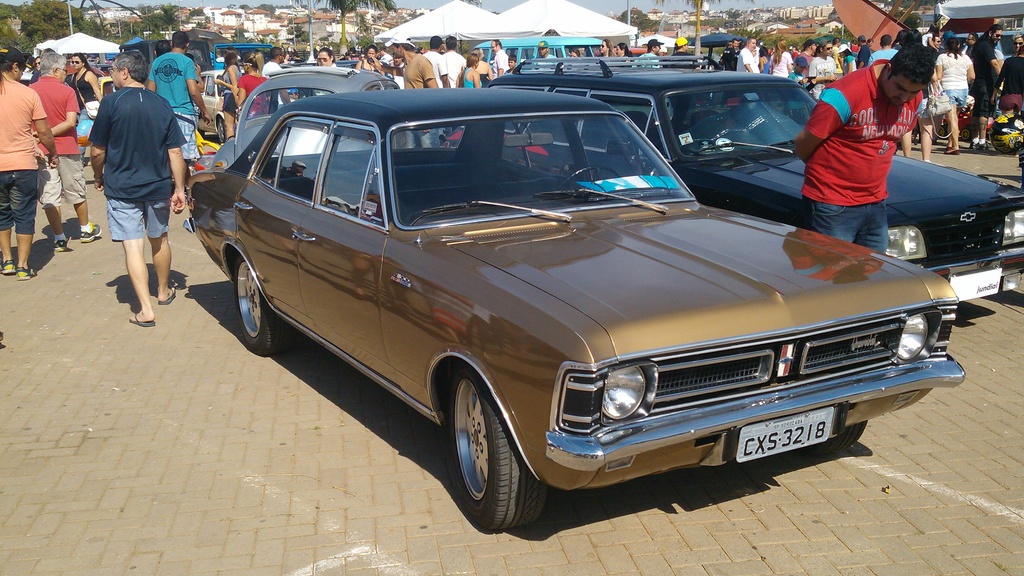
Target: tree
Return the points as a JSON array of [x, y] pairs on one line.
[[47, 20], [639, 19], [698, 6], [268, 8], [346, 7]]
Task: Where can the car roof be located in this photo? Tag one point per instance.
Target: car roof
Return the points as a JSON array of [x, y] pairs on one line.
[[387, 108], [587, 73], [390, 107], [330, 78]]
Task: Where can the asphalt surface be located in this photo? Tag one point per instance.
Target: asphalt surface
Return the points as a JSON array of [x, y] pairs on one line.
[[172, 450]]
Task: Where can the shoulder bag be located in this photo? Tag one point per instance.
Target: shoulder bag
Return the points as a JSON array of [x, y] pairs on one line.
[[938, 102]]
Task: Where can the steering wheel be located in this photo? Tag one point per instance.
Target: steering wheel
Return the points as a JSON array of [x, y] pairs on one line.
[[593, 173]]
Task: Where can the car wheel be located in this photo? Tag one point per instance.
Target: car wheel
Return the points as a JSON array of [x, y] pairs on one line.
[[498, 490], [839, 442], [222, 132], [263, 331]]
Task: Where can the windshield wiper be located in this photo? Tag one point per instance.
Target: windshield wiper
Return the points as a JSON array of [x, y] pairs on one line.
[[583, 193], [475, 203], [726, 143]]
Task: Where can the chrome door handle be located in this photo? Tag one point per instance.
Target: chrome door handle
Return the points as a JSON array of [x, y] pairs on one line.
[[240, 205], [302, 236]]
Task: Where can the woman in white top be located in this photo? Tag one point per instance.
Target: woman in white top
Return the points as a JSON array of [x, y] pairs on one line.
[[782, 61], [955, 72]]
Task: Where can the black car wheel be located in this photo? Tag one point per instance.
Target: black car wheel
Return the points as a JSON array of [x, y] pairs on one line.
[[263, 331], [498, 490], [222, 131], [840, 441]]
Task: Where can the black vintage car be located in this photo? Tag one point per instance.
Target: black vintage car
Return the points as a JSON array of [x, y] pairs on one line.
[[730, 136]]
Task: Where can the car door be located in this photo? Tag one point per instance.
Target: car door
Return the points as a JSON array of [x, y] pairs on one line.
[[339, 267], [273, 204]]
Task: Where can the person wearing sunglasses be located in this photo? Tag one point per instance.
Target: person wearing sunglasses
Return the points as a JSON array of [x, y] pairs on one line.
[[325, 57], [84, 80], [986, 69], [1011, 79]]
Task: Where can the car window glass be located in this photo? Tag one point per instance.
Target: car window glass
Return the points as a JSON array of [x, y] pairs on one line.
[[492, 168], [348, 169], [762, 115], [300, 159], [638, 110], [268, 171], [211, 85]]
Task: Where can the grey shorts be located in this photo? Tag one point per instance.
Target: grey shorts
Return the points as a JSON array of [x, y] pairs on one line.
[[133, 220], [67, 180]]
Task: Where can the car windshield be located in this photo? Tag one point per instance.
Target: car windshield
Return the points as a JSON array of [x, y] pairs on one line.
[[545, 167], [768, 115]]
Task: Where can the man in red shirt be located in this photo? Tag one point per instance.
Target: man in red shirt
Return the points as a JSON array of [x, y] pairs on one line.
[[61, 106], [848, 144]]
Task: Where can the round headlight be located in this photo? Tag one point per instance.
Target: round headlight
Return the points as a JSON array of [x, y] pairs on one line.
[[623, 392], [915, 335]]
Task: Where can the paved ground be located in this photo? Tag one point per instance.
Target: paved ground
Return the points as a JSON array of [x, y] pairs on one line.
[[173, 451]]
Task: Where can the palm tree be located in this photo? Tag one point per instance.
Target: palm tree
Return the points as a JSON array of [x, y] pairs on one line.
[[346, 7], [698, 6]]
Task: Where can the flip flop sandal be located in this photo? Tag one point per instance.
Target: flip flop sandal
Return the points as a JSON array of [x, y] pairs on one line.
[[137, 322]]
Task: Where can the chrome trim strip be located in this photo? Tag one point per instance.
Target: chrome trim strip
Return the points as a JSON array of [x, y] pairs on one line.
[[590, 453]]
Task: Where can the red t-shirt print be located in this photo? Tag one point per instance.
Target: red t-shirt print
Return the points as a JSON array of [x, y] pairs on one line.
[[860, 129]]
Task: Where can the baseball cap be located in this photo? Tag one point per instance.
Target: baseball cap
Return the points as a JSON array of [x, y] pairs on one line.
[[681, 42], [401, 40], [862, 38], [801, 61], [12, 54], [542, 44], [652, 43], [843, 48]]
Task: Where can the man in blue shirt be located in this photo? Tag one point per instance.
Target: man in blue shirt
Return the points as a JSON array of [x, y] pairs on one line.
[[137, 164], [173, 76]]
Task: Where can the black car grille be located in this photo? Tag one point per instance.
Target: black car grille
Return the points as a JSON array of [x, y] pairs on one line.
[[709, 377], [966, 233]]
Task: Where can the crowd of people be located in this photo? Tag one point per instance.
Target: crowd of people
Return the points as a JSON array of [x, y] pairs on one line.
[[143, 138]]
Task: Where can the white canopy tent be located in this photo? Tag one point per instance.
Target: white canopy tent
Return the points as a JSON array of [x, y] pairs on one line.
[[79, 42], [540, 17], [981, 8], [448, 20]]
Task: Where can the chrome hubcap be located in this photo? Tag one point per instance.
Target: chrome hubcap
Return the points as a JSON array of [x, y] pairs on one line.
[[471, 438], [248, 294]]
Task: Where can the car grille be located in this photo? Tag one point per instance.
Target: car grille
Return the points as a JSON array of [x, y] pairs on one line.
[[953, 236], [695, 378]]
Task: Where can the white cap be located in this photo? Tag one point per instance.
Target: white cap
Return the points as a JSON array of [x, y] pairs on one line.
[[843, 48], [403, 40]]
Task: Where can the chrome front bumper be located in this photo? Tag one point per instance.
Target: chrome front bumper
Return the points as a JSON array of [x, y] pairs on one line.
[[590, 453]]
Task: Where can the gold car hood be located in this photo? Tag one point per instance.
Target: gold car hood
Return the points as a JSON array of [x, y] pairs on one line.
[[655, 280]]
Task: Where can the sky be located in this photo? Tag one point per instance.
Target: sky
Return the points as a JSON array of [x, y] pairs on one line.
[[600, 6]]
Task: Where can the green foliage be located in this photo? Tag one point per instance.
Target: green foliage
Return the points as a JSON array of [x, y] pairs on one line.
[[913, 20], [268, 7], [44, 20], [639, 19], [345, 7]]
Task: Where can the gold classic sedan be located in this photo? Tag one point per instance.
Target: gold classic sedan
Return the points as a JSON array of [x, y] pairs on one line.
[[525, 270]]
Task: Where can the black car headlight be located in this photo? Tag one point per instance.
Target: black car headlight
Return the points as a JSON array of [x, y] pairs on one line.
[[906, 243], [628, 390], [1013, 227]]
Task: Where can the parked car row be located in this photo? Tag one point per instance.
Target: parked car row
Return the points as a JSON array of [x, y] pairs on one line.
[[730, 136], [529, 272]]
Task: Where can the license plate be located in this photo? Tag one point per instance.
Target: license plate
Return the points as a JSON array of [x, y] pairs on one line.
[[778, 436], [976, 284]]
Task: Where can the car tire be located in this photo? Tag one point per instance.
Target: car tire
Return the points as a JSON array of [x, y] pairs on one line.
[[497, 489], [839, 442], [263, 331], [222, 131]]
